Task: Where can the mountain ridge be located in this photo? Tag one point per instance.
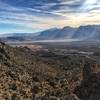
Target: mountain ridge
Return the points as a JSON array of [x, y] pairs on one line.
[[90, 32]]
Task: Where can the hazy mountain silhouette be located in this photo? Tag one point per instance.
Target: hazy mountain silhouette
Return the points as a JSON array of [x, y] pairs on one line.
[[91, 32]]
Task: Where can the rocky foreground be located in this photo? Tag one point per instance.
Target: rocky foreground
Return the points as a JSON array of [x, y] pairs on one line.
[[89, 88], [28, 76]]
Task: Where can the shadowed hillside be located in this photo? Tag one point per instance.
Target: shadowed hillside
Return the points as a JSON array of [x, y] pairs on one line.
[[89, 89]]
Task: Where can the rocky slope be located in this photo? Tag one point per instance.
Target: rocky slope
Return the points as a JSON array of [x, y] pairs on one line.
[[24, 76], [45, 76]]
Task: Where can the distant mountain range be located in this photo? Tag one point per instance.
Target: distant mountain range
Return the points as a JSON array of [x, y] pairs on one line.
[[90, 32], [87, 32], [55, 33]]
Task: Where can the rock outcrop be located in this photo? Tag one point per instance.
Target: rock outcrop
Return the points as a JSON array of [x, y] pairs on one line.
[[89, 88]]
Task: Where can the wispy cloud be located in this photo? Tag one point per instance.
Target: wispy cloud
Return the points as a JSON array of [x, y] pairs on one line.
[[42, 14]]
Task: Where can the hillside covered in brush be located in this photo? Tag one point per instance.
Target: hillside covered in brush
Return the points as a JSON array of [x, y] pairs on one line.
[[43, 75]]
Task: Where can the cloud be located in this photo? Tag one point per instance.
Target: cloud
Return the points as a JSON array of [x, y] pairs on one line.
[[42, 14]]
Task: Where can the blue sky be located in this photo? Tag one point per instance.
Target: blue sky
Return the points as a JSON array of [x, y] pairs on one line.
[[35, 15]]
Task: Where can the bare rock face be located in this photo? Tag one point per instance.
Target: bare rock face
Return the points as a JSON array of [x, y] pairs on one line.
[[89, 88]]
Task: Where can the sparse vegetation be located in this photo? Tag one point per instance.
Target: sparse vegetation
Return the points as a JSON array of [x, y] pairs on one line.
[[43, 75]]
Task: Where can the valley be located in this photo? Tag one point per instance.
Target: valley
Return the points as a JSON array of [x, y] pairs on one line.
[[49, 49]]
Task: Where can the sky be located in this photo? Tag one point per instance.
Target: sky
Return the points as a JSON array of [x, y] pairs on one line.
[[35, 15]]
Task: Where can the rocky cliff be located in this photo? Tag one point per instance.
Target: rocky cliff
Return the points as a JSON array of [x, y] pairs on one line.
[[89, 89]]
